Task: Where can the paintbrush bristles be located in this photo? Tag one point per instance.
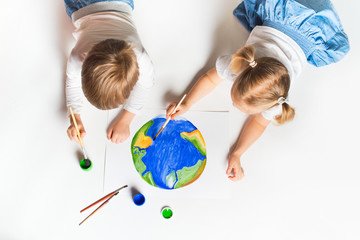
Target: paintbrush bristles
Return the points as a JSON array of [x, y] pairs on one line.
[[158, 133]]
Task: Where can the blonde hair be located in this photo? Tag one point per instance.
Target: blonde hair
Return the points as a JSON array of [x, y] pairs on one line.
[[262, 83], [109, 73]]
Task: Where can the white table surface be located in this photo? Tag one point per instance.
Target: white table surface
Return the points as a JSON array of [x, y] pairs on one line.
[[301, 180]]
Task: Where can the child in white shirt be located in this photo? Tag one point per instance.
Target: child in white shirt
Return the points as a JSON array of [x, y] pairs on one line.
[[108, 64], [285, 34]]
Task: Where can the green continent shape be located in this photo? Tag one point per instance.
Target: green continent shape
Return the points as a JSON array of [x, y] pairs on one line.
[[136, 154], [186, 174], [149, 179], [171, 179], [196, 142]]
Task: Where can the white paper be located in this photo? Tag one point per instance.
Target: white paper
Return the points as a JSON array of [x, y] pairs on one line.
[[213, 182]]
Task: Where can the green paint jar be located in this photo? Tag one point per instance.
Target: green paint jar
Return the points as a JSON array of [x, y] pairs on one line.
[[86, 164], [166, 212]]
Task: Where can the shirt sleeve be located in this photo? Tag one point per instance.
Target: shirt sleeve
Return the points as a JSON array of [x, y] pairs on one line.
[[73, 89], [223, 68], [272, 112], [142, 88]]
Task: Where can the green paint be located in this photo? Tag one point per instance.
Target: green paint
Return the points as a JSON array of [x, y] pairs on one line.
[[149, 179], [196, 142], [186, 174], [170, 179], [167, 212], [84, 165], [136, 154]]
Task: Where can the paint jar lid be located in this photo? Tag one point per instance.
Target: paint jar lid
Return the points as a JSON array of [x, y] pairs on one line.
[[86, 164], [167, 212], [139, 199]]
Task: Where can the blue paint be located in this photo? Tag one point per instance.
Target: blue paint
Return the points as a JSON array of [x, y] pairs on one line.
[[139, 199], [169, 152]]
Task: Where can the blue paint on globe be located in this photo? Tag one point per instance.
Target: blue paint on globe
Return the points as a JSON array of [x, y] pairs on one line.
[[169, 153]]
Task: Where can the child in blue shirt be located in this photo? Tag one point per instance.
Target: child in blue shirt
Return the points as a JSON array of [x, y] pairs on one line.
[[284, 35]]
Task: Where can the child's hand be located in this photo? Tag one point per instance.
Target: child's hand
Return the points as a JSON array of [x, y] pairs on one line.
[[71, 131], [118, 132], [179, 111], [235, 171]]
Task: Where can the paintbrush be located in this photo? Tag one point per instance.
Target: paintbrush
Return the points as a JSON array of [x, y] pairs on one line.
[[108, 197], [169, 118], [87, 161], [103, 198], [98, 208]]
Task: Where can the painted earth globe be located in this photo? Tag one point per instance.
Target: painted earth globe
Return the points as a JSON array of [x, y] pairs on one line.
[[175, 159]]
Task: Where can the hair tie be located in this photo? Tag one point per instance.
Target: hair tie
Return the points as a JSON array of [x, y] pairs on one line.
[[281, 100], [253, 63]]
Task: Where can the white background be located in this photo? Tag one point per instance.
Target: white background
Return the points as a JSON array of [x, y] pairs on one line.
[[302, 179]]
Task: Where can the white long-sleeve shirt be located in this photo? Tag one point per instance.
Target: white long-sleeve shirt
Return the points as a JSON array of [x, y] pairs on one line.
[[93, 29]]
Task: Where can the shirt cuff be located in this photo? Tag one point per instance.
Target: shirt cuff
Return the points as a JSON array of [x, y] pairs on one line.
[[75, 108], [131, 109]]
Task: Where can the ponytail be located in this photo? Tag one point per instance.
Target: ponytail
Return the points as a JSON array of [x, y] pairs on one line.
[[264, 82], [288, 114], [238, 59]]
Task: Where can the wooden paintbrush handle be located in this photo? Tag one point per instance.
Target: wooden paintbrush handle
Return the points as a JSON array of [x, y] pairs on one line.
[[98, 208], [76, 127], [103, 198], [177, 106], [169, 118]]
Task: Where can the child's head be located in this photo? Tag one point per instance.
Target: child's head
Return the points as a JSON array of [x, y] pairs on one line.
[[109, 73], [262, 84]]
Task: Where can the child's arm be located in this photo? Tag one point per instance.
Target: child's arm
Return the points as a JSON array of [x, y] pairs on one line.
[[251, 131], [202, 87], [71, 131], [74, 94], [119, 131]]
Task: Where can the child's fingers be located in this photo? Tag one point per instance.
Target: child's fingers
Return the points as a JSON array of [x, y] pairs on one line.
[[228, 171], [176, 114], [113, 136], [170, 109], [235, 175], [234, 178], [235, 172], [72, 134], [109, 135], [82, 133], [69, 134], [115, 139], [171, 105], [230, 168], [75, 137]]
